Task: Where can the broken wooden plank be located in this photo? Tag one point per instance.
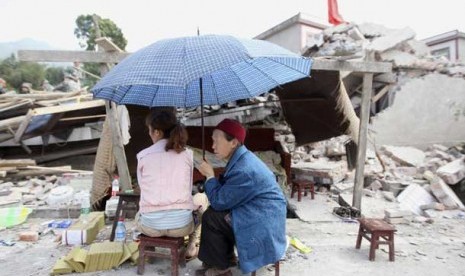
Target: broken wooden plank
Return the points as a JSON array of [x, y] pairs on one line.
[[23, 126], [107, 45], [80, 98], [66, 108], [355, 66], [6, 136], [67, 56], [116, 57], [11, 122], [59, 169], [66, 153], [82, 118], [42, 96], [17, 162], [21, 104], [380, 94]]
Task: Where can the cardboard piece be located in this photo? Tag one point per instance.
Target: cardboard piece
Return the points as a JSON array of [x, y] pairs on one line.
[[100, 256], [85, 230]]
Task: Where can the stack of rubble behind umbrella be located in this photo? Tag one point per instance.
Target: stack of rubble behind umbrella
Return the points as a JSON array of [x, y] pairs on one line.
[[32, 124]]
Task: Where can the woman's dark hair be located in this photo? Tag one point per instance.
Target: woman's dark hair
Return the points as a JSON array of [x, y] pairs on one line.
[[166, 122]]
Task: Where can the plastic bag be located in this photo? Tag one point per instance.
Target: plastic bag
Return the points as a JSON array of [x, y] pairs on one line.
[[13, 216]]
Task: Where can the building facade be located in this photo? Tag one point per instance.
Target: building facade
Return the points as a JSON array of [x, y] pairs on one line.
[[292, 34], [450, 45]]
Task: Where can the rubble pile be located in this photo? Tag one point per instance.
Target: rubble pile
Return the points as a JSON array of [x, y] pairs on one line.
[[50, 191], [398, 46], [410, 58]]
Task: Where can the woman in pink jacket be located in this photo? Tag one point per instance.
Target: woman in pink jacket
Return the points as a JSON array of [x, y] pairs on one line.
[[164, 173]]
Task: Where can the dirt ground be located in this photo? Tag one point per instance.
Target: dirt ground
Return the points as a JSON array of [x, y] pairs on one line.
[[421, 248]]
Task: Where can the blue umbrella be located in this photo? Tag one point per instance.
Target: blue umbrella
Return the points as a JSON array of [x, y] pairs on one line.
[[169, 72], [200, 70]]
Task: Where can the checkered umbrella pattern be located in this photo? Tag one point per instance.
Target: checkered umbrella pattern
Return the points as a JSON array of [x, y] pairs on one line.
[[168, 72]]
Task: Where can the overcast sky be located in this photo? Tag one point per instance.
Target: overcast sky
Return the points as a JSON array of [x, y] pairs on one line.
[[146, 21]]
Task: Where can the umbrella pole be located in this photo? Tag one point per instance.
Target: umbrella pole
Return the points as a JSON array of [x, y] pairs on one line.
[[201, 119]]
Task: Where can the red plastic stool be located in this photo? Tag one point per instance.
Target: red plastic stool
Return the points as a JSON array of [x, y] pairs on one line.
[[373, 230], [147, 248], [302, 185]]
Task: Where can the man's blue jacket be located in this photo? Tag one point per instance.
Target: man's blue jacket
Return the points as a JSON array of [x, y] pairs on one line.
[[258, 209]]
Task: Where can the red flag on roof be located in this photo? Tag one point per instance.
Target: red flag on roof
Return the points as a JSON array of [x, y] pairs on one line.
[[333, 13]]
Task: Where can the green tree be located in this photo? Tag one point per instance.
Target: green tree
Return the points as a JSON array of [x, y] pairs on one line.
[[54, 75], [86, 32], [15, 73]]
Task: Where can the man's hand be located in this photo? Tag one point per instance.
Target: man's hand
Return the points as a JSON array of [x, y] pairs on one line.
[[206, 169]]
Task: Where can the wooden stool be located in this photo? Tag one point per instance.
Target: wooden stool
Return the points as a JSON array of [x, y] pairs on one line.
[[299, 185], [148, 245], [377, 228], [276, 269], [124, 204]]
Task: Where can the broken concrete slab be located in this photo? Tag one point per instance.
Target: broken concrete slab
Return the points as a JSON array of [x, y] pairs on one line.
[[399, 58], [397, 213], [453, 172], [391, 40], [409, 156], [388, 78], [373, 30], [443, 192], [419, 48], [413, 197]]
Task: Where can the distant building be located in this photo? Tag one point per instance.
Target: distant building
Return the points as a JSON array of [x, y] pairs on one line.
[[292, 34], [450, 45]]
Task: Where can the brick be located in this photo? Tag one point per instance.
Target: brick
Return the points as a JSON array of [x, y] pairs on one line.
[[396, 213], [452, 172], [433, 205], [29, 236]]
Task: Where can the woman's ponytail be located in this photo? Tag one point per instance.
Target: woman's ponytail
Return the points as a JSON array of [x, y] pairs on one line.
[[177, 138]]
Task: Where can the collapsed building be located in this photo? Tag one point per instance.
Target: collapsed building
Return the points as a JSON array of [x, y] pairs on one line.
[[303, 114]]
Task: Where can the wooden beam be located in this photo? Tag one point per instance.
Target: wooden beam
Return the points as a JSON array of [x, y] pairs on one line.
[[362, 137], [17, 162], [380, 94], [58, 169], [23, 126], [46, 157], [83, 118], [41, 96], [11, 122], [107, 45], [23, 145], [68, 56], [115, 57], [66, 108], [77, 99], [355, 66]]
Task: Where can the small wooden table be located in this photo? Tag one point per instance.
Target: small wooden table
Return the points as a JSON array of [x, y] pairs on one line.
[[373, 230]]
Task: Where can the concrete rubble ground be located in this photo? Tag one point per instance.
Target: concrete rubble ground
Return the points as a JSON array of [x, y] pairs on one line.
[[413, 183]]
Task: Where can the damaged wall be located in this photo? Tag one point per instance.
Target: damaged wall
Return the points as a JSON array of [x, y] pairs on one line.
[[426, 111]]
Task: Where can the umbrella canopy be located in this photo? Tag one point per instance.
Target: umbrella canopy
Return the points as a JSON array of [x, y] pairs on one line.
[[173, 72]]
